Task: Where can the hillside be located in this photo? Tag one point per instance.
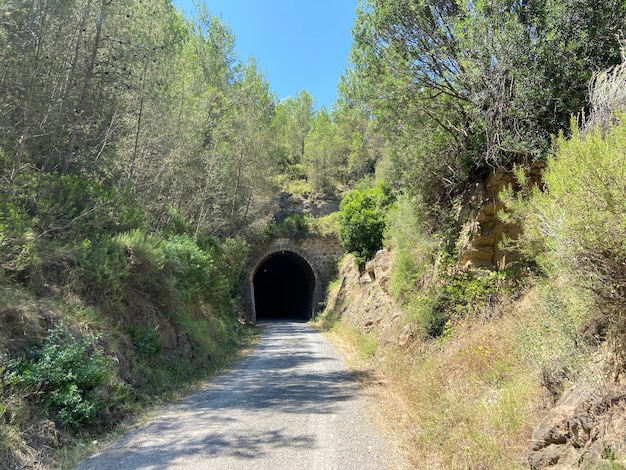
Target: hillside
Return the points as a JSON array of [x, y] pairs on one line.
[[504, 348], [479, 145], [509, 386]]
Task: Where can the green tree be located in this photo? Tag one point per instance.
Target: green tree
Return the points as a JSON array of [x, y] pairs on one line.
[[324, 157], [291, 123], [460, 86], [362, 221], [362, 145]]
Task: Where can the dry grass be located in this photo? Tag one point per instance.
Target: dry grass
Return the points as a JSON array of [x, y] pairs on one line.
[[472, 400], [466, 403], [358, 348], [607, 96]]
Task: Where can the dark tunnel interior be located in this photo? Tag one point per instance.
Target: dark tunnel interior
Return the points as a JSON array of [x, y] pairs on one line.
[[283, 288]]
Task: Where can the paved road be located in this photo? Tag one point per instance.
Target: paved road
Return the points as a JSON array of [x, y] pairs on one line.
[[291, 404]]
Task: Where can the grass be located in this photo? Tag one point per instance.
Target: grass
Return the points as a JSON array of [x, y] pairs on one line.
[[471, 398], [464, 404]]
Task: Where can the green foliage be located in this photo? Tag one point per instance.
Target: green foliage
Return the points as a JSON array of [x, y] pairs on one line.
[[469, 292], [229, 259], [193, 268], [144, 251], [362, 221], [102, 268], [234, 255], [293, 225], [324, 158], [291, 124], [67, 375], [301, 225], [66, 206], [414, 250], [575, 228], [459, 87], [18, 252], [145, 340], [456, 296], [327, 225]]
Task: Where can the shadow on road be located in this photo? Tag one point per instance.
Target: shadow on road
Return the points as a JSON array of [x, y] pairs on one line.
[[245, 413]]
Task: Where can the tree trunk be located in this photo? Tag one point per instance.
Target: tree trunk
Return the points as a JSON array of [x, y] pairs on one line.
[[80, 109], [27, 105]]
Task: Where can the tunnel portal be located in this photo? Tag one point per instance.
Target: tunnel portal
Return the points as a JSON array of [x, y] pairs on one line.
[[283, 288]]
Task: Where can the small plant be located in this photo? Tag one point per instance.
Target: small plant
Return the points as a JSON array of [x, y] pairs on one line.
[[67, 375], [193, 268], [145, 340]]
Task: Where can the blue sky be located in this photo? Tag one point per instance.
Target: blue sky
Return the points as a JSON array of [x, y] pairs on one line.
[[298, 44]]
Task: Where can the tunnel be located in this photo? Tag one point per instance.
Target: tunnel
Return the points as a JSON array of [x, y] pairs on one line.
[[283, 288]]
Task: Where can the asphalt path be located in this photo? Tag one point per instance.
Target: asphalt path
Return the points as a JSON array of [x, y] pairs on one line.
[[291, 404]]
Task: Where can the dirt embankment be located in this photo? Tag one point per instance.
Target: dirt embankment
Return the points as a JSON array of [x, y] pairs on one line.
[[484, 395]]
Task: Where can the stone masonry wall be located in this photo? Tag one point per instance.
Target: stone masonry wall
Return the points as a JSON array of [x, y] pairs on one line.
[[322, 255], [480, 241]]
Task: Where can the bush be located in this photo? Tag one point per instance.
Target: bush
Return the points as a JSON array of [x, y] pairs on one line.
[[234, 258], [362, 221], [414, 250], [67, 375], [146, 261], [17, 247], [293, 225], [102, 268], [575, 229], [326, 226], [67, 206], [142, 249], [228, 259], [193, 268]]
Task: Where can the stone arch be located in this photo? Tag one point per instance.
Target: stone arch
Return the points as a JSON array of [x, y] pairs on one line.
[[313, 261], [284, 286]]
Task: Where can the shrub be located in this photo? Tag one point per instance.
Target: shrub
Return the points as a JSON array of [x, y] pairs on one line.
[[362, 221], [145, 339], [234, 258], [414, 250], [102, 267], [66, 375], [146, 259], [575, 229], [142, 249], [17, 247], [67, 206], [228, 259], [326, 226], [293, 225], [193, 268]]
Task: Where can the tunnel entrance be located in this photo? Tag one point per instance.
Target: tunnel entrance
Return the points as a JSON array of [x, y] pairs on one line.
[[283, 288]]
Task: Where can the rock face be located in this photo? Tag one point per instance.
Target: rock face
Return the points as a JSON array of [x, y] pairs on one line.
[[587, 426], [482, 234], [364, 300], [316, 207]]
